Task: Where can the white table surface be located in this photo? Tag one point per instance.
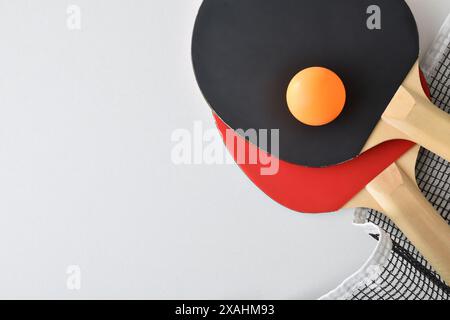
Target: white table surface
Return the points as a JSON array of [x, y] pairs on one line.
[[86, 177]]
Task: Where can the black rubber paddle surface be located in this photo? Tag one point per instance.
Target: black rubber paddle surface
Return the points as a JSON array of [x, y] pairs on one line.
[[245, 52]]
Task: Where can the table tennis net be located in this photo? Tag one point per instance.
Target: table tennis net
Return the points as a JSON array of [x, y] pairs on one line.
[[397, 271]]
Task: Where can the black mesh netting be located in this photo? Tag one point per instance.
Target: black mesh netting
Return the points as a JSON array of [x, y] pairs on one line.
[[408, 275]]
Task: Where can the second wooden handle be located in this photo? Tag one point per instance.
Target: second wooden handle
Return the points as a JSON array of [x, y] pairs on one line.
[[405, 205]]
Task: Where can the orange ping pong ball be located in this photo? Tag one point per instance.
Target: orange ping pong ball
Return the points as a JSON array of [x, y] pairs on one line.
[[316, 96]]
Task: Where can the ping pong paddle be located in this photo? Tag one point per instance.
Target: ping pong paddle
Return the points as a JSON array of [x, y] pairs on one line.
[[372, 180], [247, 56]]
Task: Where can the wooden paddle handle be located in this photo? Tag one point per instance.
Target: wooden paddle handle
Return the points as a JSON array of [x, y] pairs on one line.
[[420, 121], [412, 116], [405, 205]]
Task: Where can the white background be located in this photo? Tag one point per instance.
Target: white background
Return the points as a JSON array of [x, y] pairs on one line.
[[86, 176]]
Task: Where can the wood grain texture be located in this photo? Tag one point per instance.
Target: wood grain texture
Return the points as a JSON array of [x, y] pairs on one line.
[[412, 116]]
